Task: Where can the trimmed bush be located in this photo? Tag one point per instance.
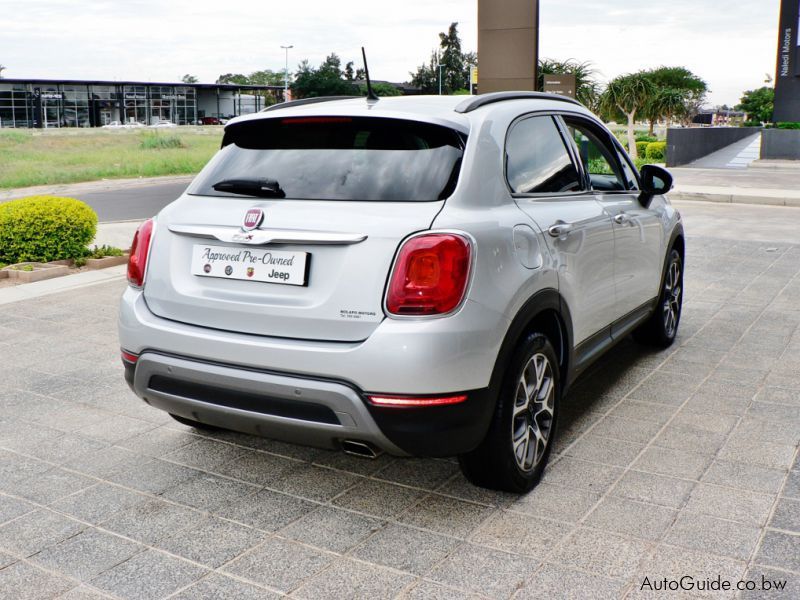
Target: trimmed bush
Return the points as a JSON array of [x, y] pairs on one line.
[[45, 228], [641, 148], [787, 125], [646, 138], [656, 151], [752, 124]]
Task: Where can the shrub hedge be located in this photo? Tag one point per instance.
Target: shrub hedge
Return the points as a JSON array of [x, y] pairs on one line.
[[641, 148], [787, 125], [656, 151], [45, 228]]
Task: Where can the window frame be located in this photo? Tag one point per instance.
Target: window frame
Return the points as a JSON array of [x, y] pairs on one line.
[[612, 145], [568, 147]]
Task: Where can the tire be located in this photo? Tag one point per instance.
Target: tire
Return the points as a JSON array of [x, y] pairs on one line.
[[521, 414], [195, 424], [662, 326]]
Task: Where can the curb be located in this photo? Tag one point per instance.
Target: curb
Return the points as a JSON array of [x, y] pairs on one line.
[[29, 291], [738, 198], [86, 187]]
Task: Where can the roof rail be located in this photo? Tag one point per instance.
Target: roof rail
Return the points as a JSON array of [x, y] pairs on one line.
[[302, 101], [471, 104]]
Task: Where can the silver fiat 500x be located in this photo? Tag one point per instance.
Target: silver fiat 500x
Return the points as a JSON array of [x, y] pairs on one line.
[[422, 276]]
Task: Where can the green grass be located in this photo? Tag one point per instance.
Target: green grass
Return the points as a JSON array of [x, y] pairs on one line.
[[67, 156]]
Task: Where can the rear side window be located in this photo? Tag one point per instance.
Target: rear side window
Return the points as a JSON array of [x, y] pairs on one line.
[[537, 159], [339, 158]]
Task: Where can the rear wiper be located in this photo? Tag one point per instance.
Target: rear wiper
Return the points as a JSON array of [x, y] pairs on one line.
[[262, 188]]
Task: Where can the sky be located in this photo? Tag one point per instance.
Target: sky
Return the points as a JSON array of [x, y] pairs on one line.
[[729, 43]]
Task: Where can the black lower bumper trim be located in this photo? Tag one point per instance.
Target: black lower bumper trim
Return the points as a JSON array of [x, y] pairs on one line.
[[304, 411], [446, 430]]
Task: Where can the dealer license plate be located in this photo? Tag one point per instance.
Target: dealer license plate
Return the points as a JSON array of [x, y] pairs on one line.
[[255, 264]]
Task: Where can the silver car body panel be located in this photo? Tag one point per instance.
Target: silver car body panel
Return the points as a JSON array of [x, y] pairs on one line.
[[302, 333]]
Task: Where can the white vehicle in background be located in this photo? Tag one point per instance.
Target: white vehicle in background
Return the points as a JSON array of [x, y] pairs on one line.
[[163, 123]]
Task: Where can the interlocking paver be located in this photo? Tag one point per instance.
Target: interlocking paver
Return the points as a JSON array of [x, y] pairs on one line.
[[279, 564], [405, 548], [148, 575], [331, 529], [212, 541], [670, 462]]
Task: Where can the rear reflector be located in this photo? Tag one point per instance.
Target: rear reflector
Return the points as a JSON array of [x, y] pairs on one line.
[[415, 401], [129, 357]]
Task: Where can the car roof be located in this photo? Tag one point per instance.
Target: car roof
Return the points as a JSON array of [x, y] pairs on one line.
[[450, 111]]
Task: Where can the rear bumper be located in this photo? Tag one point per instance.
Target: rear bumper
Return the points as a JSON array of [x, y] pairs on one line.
[[194, 372], [302, 410]]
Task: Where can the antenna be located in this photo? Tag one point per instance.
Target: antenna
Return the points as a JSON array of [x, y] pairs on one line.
[[370, 94]]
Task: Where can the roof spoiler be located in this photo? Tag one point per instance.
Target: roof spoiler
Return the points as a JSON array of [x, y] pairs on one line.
[[302, 101], [475, 102]]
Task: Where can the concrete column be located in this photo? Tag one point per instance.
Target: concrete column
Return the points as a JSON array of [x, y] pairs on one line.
[[508, 45]]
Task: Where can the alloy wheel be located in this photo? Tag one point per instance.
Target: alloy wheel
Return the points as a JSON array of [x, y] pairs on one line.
[[532, 420], [672, 297]]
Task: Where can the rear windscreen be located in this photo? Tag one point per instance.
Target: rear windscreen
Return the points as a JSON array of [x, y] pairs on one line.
[[339, 158]]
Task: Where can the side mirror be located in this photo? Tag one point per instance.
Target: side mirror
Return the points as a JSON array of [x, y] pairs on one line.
[[655, 180]]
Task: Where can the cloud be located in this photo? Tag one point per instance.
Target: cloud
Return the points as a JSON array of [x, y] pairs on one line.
[[730, 44]]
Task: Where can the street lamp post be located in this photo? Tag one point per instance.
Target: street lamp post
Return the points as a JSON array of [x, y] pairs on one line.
[[286, 73], [440, 67]]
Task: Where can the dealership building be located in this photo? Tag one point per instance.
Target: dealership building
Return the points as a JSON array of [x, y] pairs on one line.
[[68, 103]]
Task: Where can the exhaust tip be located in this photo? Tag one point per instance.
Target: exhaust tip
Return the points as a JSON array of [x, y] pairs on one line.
[[362, 449]]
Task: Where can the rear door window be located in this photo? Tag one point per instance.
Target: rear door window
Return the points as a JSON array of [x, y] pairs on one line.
[[338, 158], [600, 158], [537, 159]]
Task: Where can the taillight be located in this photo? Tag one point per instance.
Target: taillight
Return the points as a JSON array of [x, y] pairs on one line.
[[137, 262], [430, 275]]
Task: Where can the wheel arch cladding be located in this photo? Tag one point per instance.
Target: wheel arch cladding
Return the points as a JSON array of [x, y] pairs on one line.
[[545, 312]]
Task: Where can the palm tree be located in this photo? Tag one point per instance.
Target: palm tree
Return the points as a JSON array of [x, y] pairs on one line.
[[629, 94], [678, 90], [586, 88]]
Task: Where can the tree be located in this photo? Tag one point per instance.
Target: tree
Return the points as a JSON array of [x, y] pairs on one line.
[[629, 94], [758, 104], [266, 77], [327, 80], [381, 89], [426, 77], [349, 72], [452, 60], [678, 94], [587, 90], [189, 79], [236, 78]]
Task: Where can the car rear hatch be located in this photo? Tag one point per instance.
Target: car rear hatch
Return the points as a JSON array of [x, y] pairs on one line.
[[291, 230]]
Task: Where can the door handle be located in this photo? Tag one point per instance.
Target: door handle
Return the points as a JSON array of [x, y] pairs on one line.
[[622, 219], [560, 228]]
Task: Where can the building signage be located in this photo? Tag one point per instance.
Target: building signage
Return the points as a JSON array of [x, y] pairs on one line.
[[787, 80], [132, 96], [561, 85], [173, 96], [51, 96]]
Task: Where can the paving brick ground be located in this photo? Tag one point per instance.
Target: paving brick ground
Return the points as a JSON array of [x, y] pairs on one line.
[[670, 464]]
